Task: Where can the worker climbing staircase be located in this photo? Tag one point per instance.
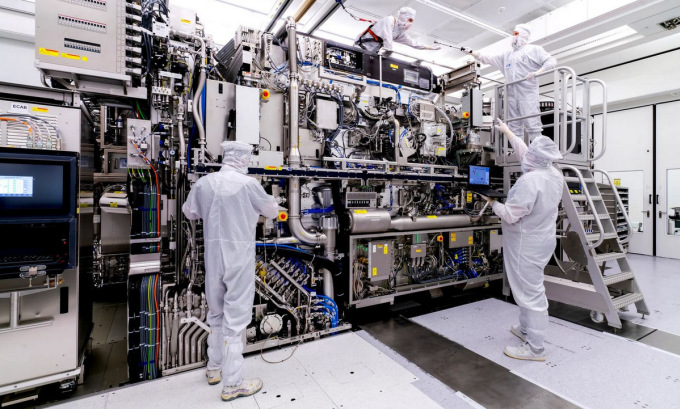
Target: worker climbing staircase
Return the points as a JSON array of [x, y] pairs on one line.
[[588, 241]]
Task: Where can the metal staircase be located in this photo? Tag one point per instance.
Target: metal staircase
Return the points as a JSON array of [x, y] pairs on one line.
[[588, 241]]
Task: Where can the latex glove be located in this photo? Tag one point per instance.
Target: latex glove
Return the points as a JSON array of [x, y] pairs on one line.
[[433, 47], [531, 75], [503, 127]]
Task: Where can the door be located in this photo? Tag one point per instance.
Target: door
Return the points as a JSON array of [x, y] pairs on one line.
[[668, 180], [629, 157]]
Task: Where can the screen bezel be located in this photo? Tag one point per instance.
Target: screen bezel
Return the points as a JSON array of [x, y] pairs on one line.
[[66, 160], [488, 169]]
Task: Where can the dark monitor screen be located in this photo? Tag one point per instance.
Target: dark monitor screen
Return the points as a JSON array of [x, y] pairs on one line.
[[35, 187], [479, 175]]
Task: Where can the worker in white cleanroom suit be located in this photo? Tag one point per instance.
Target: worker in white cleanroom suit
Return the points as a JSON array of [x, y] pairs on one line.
[[230, 203], [524, 61], [384, 32], [528, 219]]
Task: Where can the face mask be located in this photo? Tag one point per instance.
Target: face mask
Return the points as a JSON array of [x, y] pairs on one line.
[[404, 24], [518, 42]]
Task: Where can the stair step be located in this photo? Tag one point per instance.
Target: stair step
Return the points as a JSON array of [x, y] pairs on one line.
[[596, 236], [577, 198], [577, 180], [601, 258], [592, 216], [626, 300], [618, 278]]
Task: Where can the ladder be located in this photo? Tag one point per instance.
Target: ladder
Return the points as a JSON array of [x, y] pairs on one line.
[[590, 242]]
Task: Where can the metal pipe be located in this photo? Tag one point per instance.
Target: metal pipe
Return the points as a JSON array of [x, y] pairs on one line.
[[294, 219], [430, 222], [13, 310], [201, 340], [174, 333], [294, 159], [87, 115], [197, 334], [187, 343], [180, 133], [180, 353], [397, 136], [328, 288]]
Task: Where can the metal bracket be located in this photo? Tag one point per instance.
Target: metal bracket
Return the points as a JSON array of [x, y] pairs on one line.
[[195, 321]]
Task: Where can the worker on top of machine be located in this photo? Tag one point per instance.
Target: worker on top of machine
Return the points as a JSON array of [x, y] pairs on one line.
[[528, 219], [523, 62], [382, 33], [230, 203]]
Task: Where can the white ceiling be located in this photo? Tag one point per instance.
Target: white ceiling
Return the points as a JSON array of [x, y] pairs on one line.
[[556, 23]]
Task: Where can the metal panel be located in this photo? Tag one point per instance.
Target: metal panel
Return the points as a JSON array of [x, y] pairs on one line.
[[326, 114], [248, 115], [495, 240], [220, 98], [460, 239], [380, 260], [24, 354]]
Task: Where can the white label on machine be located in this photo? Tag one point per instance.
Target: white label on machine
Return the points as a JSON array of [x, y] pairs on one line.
[[170, 75], [18, 108]]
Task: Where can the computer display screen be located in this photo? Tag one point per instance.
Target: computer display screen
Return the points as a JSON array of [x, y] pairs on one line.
[[16, 186], [479, 175], [32, 188]]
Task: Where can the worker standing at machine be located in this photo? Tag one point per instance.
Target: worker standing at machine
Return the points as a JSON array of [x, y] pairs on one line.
[[528, 219], [230, 203], [382, 33], [523, 62]]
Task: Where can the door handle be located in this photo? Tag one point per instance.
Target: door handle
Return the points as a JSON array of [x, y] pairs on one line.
[[661, 214], [646, 211], [650, 199], [657, 199]]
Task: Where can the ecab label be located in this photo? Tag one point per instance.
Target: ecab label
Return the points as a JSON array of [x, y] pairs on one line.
[[17, 108]]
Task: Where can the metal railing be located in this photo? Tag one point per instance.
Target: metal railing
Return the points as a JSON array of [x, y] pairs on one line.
[[619, 202], [589, 199], [564, 113]]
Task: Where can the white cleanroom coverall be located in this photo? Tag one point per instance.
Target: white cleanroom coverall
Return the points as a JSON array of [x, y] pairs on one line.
[[391, 29], [522, 61], [230, 203], [528, 219]]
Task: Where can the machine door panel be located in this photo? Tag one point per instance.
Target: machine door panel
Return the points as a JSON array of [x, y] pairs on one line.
[[668, 181], [629, 158]]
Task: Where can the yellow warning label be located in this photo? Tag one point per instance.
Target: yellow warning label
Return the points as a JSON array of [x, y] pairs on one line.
[[360, 211], [82, 204], [84, 58], [395, 66], [375, 271], [470, 240], [114, 204], [47, 51], [385, 249], [70, 56], [270, 167], [617, 182], [39, 109], [453, 236], [78, 210], [469, 197], [185, 21], [431, 217], [118, 192], [419, 251]]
